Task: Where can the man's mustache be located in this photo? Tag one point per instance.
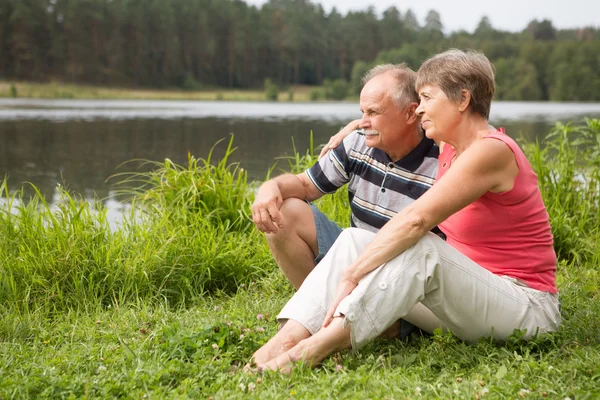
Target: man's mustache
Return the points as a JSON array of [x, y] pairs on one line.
[[370, 132]]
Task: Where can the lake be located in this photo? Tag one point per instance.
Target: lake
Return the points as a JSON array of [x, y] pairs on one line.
[[80, 143]]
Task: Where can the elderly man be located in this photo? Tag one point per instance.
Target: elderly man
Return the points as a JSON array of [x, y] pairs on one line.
[[386, 166]]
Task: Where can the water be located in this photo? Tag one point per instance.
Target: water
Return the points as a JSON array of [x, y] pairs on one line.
[[81, 143]]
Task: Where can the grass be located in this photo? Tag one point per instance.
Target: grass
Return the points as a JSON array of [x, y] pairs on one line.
[[176, 243], [60, 90], [159, 351], [172, 303]]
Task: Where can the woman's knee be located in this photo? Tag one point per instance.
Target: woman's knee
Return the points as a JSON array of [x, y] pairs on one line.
[[430, 243]]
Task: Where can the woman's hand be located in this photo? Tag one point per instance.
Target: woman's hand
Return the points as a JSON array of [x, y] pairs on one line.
[[336, 139], [345, 286]]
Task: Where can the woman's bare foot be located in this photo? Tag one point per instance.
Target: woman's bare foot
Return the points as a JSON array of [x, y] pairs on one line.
[[282, 363], [312, 350], [287, 337], [285, 361]]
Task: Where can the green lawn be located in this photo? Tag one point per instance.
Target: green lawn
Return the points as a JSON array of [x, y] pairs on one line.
[[155, 351]]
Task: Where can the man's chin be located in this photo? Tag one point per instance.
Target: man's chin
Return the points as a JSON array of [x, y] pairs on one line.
[[371, 140]]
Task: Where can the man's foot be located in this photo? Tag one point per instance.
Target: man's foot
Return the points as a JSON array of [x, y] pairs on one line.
[[392, 332], [400, 329]]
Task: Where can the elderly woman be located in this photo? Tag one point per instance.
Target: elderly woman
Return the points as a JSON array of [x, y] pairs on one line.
[[494, 274]]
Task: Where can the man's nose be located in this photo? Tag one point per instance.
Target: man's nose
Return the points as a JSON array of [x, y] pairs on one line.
[[364, 122]]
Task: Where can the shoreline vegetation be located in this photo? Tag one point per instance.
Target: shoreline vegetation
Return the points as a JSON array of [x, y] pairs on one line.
[[175, 301], [336, 91], [59, 90]]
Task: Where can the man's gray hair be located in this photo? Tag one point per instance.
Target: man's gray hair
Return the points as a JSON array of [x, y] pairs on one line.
[[403, 92]]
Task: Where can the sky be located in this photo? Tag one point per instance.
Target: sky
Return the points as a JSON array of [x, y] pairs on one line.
[[508, 15]]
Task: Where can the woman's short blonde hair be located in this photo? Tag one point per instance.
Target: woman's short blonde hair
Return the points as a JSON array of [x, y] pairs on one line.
[[455, 70]]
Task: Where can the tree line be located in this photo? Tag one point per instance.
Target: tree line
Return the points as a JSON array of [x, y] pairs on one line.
[[195, 44]]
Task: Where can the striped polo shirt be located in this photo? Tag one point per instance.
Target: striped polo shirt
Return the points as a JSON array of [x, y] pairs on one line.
[[378, 188]]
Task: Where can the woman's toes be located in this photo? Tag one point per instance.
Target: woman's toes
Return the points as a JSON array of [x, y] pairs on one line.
[[249, 368]]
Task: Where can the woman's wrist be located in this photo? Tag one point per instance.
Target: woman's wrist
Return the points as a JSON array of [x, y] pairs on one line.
[[351, 275]]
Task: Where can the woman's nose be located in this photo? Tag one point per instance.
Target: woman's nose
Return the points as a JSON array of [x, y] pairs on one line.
[[420, 110]]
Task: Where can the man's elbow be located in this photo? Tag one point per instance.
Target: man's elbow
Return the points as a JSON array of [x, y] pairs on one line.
[[312, 193]]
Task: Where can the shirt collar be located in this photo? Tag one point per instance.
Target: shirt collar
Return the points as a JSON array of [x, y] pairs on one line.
[[412, 160]]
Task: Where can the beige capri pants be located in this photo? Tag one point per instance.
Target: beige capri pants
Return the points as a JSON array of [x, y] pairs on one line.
[[430, 285]]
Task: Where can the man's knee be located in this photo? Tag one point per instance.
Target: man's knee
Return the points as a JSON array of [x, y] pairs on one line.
[[296, 210], [298, 220]]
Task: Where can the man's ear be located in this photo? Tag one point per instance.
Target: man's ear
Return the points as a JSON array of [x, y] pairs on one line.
[[411, 113], [465, 100]]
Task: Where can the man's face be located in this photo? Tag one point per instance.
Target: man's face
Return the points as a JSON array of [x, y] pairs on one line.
[[383, 122]]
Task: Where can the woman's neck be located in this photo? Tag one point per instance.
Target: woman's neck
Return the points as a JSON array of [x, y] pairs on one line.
[[467, 132]]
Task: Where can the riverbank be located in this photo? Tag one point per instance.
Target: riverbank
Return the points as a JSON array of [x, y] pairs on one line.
[[58, 90], [173, 304]]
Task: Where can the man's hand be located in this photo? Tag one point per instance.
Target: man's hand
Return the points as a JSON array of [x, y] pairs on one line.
[[344, 288], [266, 206], [336, 139]]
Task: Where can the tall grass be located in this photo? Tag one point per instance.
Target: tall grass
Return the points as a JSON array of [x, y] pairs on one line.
[[218, 194], [188, 233], [567, 163]]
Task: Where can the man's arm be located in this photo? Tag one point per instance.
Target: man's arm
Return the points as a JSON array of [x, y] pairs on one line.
[[272, 193], [325, 177]]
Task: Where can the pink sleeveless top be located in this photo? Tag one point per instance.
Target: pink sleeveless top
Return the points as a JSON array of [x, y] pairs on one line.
[[507, 233]]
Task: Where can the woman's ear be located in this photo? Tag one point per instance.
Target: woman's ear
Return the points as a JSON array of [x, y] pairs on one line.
[[465, 100]]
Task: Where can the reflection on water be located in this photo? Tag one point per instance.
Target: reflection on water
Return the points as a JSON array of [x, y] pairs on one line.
[[79, 144], [82, 155]]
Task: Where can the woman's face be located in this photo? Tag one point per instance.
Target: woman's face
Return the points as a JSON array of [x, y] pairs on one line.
[[439, 115]]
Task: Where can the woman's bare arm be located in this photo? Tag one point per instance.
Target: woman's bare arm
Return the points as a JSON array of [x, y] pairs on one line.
[[487, 165]]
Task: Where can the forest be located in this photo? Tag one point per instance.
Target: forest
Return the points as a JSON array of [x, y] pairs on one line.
[[208, 44]]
